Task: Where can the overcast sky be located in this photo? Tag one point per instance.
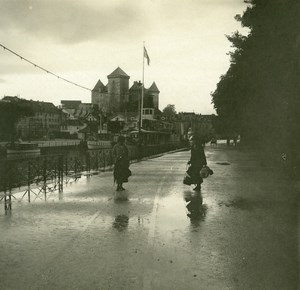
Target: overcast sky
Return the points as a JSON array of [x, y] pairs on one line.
[[85, 40]]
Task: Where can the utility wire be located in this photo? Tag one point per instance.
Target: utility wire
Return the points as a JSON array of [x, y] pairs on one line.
[[47, 71]]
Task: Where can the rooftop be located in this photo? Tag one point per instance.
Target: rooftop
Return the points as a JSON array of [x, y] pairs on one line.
[[118, 72]]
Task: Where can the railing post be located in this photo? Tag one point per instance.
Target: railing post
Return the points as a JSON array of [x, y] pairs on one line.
[[75, 166], [104, 159], [97, 160], [88, 162], [45, 177], [60, 175], [7, 202], [56, 164], [66, 171], [29, 180]]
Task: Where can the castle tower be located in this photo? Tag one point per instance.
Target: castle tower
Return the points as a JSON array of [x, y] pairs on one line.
[[153, 92], [118, 89], [135, 93], [100, 96]]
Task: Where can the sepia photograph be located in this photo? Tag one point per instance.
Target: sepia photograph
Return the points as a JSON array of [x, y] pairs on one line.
[[149, 145]]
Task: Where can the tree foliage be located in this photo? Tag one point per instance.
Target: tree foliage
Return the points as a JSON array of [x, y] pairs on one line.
[[169, 112], [10, 114], [258, 95]]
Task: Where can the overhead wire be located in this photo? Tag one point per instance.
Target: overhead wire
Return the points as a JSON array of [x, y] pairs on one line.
[[43, 69]]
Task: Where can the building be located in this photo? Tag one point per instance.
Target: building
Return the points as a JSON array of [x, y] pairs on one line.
[[70, 104], [86, 113], [72, 127], [44, 123], [117, 96], [121, 104]]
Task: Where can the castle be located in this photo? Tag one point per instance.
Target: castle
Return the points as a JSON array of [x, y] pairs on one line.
[[116, 96]]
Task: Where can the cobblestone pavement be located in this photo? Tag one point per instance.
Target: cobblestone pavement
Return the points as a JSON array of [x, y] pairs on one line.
[[241, 232]]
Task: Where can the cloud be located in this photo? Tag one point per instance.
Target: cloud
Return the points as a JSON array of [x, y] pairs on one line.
[[84, 40], [69, 21]]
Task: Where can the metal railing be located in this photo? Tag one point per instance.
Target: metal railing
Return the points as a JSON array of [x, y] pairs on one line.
[[35, 177], [58, 143]]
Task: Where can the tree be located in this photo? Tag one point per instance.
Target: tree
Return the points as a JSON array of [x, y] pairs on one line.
[[169, 112], [258, 94], [10, 114]]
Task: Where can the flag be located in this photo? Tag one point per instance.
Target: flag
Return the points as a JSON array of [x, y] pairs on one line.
[[146, 55]]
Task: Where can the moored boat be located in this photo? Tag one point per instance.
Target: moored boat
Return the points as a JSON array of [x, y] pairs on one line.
[[98, 144], [23, 148]]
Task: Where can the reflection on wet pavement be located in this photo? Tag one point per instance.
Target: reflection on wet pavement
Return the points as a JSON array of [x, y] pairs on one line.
[[223, 163], [241, 203], [121, 196], [121, 222], [194, 204]]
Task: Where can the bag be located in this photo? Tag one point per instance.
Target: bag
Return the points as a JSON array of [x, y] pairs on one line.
[[126, 176], [205, 172], [187, 180]]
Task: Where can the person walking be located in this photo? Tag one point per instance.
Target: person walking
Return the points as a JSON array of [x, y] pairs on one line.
[[197, 161], [121, 163]]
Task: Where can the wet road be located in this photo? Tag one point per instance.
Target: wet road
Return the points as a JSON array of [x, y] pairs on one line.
[[240, 233]]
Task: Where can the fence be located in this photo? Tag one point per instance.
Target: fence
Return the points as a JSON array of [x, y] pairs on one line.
[[35, 177]]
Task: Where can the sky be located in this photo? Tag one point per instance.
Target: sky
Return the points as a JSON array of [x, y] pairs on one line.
[[85, 40]]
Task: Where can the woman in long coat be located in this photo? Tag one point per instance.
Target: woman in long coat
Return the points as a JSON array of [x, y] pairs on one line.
[[197, 161], [121, 160]]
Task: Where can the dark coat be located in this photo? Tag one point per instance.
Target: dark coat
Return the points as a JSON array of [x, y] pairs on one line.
[[121, 168], [197, 161]]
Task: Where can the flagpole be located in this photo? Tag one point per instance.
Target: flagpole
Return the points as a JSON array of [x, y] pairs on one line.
[[141, 107], [142, 100]]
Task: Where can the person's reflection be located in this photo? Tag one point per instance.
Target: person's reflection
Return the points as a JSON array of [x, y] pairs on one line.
[[121, 222], [121, 196], [196, 210]]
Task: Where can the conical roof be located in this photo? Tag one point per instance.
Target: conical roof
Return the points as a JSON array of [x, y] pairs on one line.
[[135, 86], [118, 72], [99, 85], [153, 88]]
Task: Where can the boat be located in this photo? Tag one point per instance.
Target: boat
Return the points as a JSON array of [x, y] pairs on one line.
[[98, 144], [23, 148]]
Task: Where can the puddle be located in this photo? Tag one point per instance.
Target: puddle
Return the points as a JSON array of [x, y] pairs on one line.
[[121, 222], [242, 204], [223, 163]]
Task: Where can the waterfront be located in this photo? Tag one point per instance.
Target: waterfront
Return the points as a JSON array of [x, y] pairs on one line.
[[27, 176]]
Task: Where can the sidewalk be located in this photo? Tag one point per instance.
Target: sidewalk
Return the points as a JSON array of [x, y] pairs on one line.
[[88, 238]]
